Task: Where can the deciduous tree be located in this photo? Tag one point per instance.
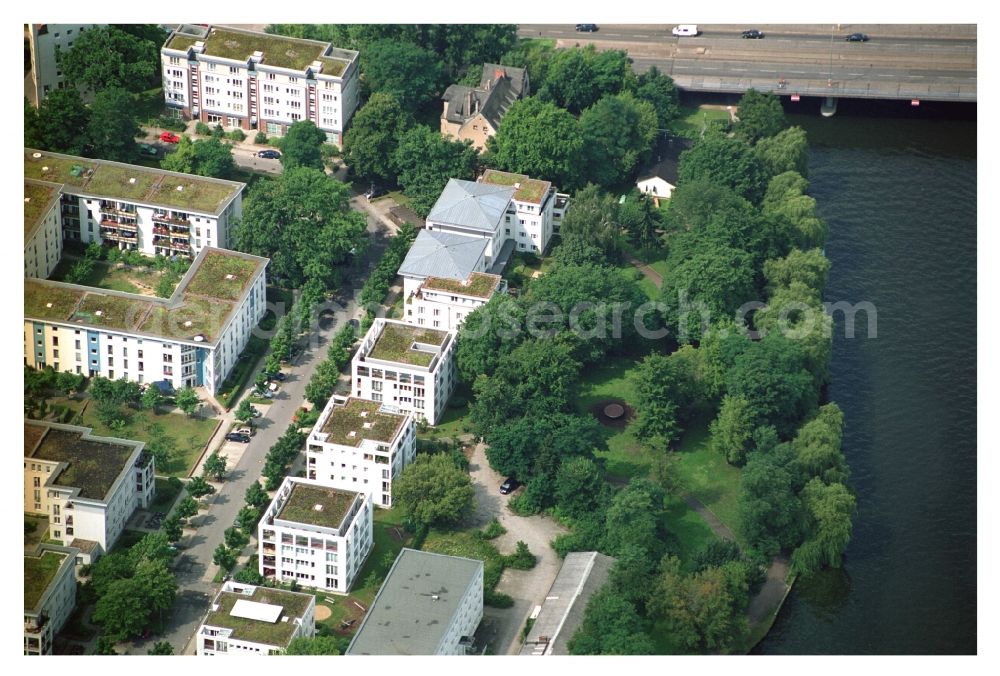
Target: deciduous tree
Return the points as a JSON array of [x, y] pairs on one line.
[[109, 56], [409, 73], [374, 135], [760, 115], [426, 160], [433, 491], [112, 128], [301, 146], [610, 626]]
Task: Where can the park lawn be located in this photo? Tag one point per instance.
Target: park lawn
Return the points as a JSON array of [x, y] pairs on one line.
[[450, 425], [688, 527], [648, 288], [692, 118], [707, 476]]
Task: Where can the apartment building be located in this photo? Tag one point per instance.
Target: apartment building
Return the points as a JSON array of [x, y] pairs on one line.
[[406, 367], [46, 39], [193, 338], [250, 80], [49, 595], [474, 113], [441, 254], [42, 228], [133, 207], [537, 209], [429, 604], [447, 302], [88, 486], [249, 620], [359, 445], [316, 535]]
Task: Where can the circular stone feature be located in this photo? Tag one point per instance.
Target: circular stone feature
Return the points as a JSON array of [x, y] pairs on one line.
[[614, 411]]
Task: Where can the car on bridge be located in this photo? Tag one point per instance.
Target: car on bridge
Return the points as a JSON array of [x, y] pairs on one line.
[[752, 34], [856, 37], [685, 30], [586, 27]]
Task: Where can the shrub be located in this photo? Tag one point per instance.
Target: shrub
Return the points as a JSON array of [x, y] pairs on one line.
[[236, 135], [493, 529], [203, 129], [497, 599], [522, 559], [218, 131], [171, 123], [260, 139]]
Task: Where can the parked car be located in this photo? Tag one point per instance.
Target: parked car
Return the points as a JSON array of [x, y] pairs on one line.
[[279, 376], [256, 412], [751, 34], [268, 154], [586, 27], [688, 30], [856, 37], [509, 484], [238, 436], [169, 137], [248, 431], [374, 191], [147, 149]]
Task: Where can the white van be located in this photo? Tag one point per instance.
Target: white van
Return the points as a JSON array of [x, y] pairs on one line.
[[688, 30]]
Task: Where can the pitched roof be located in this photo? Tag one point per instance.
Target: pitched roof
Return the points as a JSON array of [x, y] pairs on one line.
[[479, 206], [499, 87], [443, 254], [665, 160]]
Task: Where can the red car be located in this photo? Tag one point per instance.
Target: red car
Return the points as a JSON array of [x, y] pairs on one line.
[[169, 138]]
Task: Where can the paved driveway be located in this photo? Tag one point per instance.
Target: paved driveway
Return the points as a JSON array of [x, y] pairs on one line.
[[528, 588]]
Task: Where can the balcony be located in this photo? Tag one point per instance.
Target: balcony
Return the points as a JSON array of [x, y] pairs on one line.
[[171, 218]]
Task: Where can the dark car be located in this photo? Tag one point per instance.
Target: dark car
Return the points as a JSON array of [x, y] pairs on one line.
[[752, 34], [238, 436], [268, 154], [279, 376], [508, 485], [856, 37], [586, 27]]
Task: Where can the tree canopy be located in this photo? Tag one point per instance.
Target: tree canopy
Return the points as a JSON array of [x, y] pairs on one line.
[[432, 490], [618, 134], [409, 73], [487, 333], [426, 160], [592, 218], [370, 143], [611, 626], [103, 57], [579, 76], [112, 128], [659, 90], [724, 161], [785, 151], [539, 139], [210, 157], [58, 122], [301, 145]]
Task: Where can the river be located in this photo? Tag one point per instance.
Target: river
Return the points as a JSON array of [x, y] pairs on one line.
[[899, 196]]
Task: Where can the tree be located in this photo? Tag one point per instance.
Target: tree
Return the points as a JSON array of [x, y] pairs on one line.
[[665, 396], [729, 162], [618, 134], [161, 648], [760, 115], [198, 487], [632, 518], [127, 605], [426, 160], [57, 123], [103, 57], [786, 201], [247, 518], [235, 539], [578, 251], [785, 151], [301, 144], [152, 547], [158, 584], [172, 528], [152, 398], [249, 575], [488, 332], [829, 509], [817, 446], [659, 90], [209, 157], [770, 513], [371, 142], [244, 412], [577, 77], [255, 496], [112, 128], [611, 626], [732, 432], [538, 139], [186, 508], [433, 491], [315, 645], [578, 486], [224, 557], [407, 72], [808, 267], [592, 218], [106, 646], [640, 219], [215, 466], [187, 399]]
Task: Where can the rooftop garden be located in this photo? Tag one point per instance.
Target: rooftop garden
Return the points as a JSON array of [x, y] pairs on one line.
[[195, 194], [479, 284], [212, 277], [115, 311], [93, 465], [36, 198], [57, 169], [38, 573], [196, 316], [300, 506], [348, 418], [332, 66], [45, 301], [395, 343], [182, 42], [257, 631], [124, 182], [279, 51], [530, 190]]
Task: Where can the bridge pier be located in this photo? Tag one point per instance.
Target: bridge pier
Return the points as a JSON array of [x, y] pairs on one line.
[[829, 107]]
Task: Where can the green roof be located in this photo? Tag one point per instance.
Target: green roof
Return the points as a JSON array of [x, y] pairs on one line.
[[300, 505], [222, 275], [37, 198], [479, 284], [182, 42], [353, 416], [93, 466], [333, 66], [39, 571], [257, 631], [396, 341], [279, 51], [529, 190]]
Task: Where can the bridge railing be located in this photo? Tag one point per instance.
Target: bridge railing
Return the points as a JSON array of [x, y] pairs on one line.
[[835, 88]]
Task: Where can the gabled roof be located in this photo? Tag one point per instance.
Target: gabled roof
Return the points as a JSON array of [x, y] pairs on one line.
[[499, 87], [665, 160], [443, 254], [479, 206]]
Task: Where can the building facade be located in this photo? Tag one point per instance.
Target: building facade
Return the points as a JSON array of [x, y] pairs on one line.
[[316, 535], [87, 486], [445, 303], [406, 367], [193, 338], [45, 40], [474, 113], [249, 80], [49, 595], [249, 620], [443, 255], [359, 445], [42, 228], [137, 208], [535, 211]]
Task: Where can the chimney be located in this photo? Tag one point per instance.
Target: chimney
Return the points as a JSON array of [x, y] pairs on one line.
[[498, 73], [468, 103]]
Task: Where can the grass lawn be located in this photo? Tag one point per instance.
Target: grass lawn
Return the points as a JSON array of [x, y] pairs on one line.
[[693, 118], [165, 497], [397, 196], [103, 276], [41, 529], [688, 527], [450, 425], [464, 543], [707, 475]]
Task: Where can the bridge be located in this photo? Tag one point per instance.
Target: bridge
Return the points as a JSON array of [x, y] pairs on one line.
[[900, 61]]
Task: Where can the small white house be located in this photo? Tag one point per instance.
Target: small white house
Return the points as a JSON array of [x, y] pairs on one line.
[[656, 187]]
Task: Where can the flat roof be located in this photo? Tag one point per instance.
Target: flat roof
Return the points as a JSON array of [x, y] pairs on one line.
[[201, 305], [527, 190], [355, 420], [278, 633], [478, 285], [39, 571], [395, 343], [415, 605], [301, 505], [93, 464], [39, 197], [130, 182]]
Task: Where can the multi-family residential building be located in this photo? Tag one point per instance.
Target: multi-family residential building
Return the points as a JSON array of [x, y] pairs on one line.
[[249, 620], [441, 254], [49, 595], [474, 113], [42, 228], [449, 301], [537, 209], [429, 604], [193, 338], [250, 80], [46, 39], [133, 207], [316, 535], [407, 367], [360, 445], [88, 486]]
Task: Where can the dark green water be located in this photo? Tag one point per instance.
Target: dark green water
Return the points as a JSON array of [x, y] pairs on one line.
[[900, 199]]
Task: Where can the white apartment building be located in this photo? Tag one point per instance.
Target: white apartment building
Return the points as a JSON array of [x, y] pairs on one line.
[[133, 207], [429, 604], [249, 620], [88, 486], [193, 338], [407, 367], [316, 535], [441, 254], [45, 40], [42, 228], [537, 209], [252, 80], [444, 302], [49, 595], [360, 445]]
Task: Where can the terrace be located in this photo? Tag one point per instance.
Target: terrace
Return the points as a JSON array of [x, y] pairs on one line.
[[479, 285], [528, 190], [359, 419], [316, 505], [258, 631], [396, 341], [39, 571], [37, 198], [279, 51], [92, 466]]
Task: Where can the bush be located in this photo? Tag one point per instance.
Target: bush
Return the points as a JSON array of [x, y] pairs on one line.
[[328, 150], [203, 129], [171, 123], [522, 559], [236, 135], [260, 139], [493, 530], [497, 599], [218, 131], [275, 141]]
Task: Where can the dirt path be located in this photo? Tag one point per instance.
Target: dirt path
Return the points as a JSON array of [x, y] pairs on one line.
[[772, 593], [652, 275], [720, 529]]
